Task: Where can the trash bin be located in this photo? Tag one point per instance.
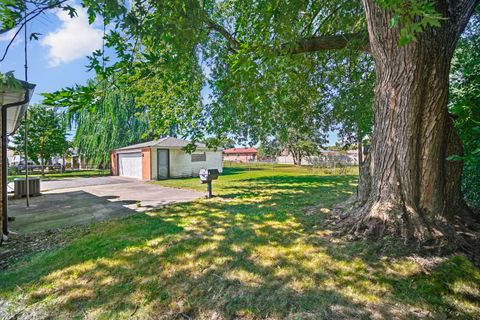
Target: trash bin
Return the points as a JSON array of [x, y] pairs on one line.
[[20, 187]]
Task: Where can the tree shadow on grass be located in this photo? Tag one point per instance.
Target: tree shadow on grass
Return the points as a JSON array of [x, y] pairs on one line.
[[294, 188], [256, 255], [237, 170], [198, 269], [97, 244], [434, 287]]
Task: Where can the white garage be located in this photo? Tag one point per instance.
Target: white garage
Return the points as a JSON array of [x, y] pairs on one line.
[[130, 165], [164, 158]]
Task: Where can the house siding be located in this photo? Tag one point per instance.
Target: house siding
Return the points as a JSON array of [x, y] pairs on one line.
[[288, 159], [240, 154], [146, 164], [240, 157], [181, 164], [214, 161], [350, 158]]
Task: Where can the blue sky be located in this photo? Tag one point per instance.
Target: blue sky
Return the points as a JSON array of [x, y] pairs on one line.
[[58, 58]]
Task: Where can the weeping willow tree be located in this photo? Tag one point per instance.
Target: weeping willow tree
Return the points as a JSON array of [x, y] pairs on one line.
[[112, 120]]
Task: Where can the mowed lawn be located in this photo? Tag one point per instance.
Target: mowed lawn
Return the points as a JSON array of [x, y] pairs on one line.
[[259, 250]]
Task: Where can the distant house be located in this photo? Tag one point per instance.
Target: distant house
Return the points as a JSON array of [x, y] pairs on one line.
[[12, 158], [77, 161], [240, 154], [353, 156], [163, 159], [349, 157]]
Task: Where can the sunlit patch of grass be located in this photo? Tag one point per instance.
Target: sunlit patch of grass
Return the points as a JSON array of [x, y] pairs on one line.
[[465, 293], [257, 250], [401, 268]]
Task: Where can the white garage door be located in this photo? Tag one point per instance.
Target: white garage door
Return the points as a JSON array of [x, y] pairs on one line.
[[130, 165]]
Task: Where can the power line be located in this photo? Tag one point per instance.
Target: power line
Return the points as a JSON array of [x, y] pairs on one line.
[[25, 49]]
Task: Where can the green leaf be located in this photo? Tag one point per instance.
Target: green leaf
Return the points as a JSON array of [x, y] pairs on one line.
[[394, 21]]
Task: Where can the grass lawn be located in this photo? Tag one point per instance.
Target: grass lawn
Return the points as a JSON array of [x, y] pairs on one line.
[[66, 174], [259, 250]]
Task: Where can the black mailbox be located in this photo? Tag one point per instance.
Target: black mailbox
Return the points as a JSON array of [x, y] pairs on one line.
[[206, 176]]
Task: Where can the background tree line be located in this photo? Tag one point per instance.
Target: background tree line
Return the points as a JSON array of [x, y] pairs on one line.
[[46, 136]]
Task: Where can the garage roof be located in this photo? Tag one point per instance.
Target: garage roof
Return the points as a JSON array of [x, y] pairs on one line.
[[167, 142]]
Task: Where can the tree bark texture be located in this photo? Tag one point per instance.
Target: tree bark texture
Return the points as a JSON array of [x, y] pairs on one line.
[[359, 150], [407, 187]]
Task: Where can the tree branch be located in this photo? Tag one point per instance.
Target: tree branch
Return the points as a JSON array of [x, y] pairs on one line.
[[232, 42], [466, 9], [358, 41], [30, 16]]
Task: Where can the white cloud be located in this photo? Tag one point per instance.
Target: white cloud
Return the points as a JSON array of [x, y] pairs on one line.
[[75, 38], [8, 36]]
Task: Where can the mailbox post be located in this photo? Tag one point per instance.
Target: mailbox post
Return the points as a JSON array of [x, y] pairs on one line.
[[207, 176]]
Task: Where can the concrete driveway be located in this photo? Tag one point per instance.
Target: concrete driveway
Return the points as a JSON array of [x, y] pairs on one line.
[[67, 183], [75, 201]]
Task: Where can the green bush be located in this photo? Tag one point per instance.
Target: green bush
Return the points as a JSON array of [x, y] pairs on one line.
[[471, 185], [13, 171], [464, 106]]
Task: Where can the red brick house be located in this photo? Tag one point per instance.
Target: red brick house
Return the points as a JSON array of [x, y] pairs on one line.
[[240, 154]]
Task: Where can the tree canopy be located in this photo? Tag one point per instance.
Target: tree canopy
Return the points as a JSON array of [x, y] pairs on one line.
[[168, 51], [111, 120], [46, 135]]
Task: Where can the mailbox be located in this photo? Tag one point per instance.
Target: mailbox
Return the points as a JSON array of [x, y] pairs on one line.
[[207, 176]]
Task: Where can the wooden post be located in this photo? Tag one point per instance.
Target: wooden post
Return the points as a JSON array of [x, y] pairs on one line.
[[209, 189]]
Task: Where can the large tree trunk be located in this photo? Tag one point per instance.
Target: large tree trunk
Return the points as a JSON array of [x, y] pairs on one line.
[[407, 187]]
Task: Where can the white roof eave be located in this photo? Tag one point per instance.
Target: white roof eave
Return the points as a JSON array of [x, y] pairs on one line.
[[135, 150], [11, 95]]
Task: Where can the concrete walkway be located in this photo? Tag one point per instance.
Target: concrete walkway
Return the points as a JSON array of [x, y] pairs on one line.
[[53, 184], [75, 201]]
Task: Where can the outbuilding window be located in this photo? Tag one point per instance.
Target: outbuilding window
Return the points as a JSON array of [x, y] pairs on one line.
[[199, 157]]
